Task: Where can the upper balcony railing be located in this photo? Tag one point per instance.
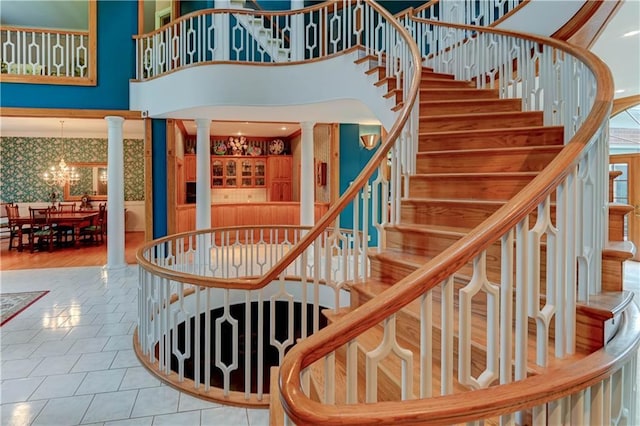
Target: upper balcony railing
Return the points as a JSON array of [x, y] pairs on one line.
[[467, 12], [49, 56]]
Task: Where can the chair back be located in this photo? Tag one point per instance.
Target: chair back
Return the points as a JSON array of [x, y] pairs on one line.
[[12, 211], [40, 216], [102, 213], [3, 210], [67, 207]]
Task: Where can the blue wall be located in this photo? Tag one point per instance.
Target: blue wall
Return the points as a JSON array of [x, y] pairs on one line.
[[117, 22], [353, 158]]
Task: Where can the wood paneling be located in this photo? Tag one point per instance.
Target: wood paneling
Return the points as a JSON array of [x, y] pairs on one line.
[[240, 214]]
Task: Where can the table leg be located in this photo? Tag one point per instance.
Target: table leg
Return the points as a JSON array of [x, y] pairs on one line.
[[20, 247], [76, 235]]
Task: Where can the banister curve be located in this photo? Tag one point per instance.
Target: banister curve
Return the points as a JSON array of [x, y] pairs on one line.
[[297, 405]]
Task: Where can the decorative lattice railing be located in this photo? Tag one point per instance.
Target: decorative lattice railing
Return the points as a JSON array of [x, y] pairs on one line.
[[47, 55]]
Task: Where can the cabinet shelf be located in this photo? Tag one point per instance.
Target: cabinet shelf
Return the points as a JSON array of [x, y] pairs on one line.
[[238, 172]]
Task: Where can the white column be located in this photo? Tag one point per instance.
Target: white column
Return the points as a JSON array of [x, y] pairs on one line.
[[115, 194], [306, 175], [221, 25], [297, 30], [203, 174]]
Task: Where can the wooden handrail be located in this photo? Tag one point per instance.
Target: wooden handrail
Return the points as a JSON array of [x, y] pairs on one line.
[[485, 403], [330, 216], [261, 12], [44, 30], [446, 263]]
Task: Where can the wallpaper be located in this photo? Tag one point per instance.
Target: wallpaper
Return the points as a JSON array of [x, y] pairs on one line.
[[23, 160]]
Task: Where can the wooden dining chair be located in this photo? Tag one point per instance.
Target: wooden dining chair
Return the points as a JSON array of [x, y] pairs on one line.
[[96, 232], [13, 214], [67, 207], [42, 229], [65, 232]]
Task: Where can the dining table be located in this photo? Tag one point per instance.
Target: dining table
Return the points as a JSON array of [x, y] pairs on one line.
[[75, 219]]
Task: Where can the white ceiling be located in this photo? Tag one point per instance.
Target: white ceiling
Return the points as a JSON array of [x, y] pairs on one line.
[[133, 129], [622, 54]]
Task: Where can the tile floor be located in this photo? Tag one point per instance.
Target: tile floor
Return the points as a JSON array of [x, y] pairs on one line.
[[68, 358]]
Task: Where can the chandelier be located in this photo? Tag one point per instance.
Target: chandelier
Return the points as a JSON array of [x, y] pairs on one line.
[[61, 174]]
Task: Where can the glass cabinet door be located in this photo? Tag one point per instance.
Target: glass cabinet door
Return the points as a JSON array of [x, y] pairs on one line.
[[217, 173], [230, 173], [247, 172], [259, 170]]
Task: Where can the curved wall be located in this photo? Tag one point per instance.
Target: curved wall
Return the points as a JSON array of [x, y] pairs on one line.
[[331, 90]]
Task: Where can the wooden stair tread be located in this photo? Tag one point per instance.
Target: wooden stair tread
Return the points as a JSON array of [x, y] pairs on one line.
[[620, 208], [524, 129], [614, 173], [606, 304], [619, 250], [423, 200], [392, 255], [475, 175], [472, 151], [462, 102], [457, 231], [459, 90], [478, 115]]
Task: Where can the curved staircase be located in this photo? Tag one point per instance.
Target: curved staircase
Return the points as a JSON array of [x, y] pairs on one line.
[[475, 152]]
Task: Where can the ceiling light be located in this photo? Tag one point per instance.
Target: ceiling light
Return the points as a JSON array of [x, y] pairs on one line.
[[620, 91], [283, 128], [631, 33]]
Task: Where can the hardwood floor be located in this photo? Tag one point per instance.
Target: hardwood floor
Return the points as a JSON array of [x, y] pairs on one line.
[[86, 255]]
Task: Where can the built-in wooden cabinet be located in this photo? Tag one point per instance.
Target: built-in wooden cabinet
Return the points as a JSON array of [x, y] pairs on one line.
[[280, 176], [238, 172], [190, 168], [272, 172]]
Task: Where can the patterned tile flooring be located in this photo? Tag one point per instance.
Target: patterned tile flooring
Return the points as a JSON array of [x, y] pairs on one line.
[[68, 358]]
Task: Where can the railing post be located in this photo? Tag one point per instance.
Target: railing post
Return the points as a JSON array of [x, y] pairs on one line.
[[297, 32], [221, 24]]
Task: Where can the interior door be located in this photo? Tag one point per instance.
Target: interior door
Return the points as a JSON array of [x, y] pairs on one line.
[[626, 189]]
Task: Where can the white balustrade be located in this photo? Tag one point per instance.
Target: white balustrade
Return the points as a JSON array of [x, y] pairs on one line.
[[42, 52], [174, 314]]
